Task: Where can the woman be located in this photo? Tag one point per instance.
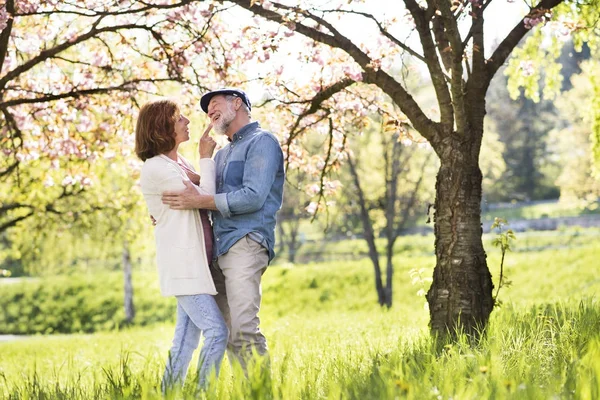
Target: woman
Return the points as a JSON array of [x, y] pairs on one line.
[[183, 238]]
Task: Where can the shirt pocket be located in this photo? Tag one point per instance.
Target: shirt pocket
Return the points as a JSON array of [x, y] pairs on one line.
[[235, 173]]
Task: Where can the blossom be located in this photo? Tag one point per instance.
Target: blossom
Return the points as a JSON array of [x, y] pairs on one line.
[[4, 17], [531, 22], [527, 68], [312, 208]]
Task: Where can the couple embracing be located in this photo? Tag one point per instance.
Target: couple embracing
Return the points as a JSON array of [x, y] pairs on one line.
[[215, 273]]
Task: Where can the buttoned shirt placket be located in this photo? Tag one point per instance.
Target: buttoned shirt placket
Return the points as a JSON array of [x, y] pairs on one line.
[[221, 179]]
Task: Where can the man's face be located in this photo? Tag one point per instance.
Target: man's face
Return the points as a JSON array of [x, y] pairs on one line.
[[221, 113]]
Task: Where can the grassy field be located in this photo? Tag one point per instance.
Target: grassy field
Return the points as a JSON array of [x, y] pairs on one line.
[[329, 339]]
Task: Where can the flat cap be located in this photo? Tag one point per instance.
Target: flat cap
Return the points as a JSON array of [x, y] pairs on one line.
[[225, 91]]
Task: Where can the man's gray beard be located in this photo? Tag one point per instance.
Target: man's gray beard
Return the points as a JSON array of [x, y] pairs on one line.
[[226, 119], [221, 127]]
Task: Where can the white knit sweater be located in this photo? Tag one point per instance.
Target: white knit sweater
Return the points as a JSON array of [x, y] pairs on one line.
[[180, 251]]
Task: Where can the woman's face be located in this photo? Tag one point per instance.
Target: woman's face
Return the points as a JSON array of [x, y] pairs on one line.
[[182, 132]]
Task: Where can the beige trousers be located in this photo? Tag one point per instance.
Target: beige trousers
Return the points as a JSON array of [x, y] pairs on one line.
[[237, 276]]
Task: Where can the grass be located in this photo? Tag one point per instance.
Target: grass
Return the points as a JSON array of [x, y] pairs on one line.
[[329, 339]]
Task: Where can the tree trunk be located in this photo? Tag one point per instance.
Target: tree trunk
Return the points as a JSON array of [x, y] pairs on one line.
[[129, 307], [282, 235], [368, 232], [460, 297], [389, 272], [293, 245]]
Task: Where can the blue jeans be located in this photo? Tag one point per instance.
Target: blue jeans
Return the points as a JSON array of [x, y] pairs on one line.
[[196, 314]]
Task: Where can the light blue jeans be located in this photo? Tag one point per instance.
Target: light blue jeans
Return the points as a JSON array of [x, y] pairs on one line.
[[196, 314]]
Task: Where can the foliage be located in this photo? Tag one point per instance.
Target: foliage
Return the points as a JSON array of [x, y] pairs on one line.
[[93, 301], [522, 127], [78, 303], [503, 241], [571, 20], [573, 143]]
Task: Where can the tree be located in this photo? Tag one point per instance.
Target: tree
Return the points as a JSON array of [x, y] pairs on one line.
[[71, 75], [398, 201], [460, 70]]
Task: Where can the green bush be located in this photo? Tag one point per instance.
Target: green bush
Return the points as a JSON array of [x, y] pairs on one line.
[[78, 303]]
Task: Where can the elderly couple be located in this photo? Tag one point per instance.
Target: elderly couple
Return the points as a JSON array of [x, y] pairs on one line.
[[215, 274]]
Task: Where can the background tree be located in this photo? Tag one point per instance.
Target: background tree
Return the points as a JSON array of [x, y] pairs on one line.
[[402, 175], [577, 181], [460, 68]]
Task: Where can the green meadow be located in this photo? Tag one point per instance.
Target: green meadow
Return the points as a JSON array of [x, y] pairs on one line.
[[328, 337]]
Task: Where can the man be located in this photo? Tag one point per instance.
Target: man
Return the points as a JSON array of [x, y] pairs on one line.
[[250, 179]]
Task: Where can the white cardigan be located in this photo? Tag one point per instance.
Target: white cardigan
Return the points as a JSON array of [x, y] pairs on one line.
[[180, 250]]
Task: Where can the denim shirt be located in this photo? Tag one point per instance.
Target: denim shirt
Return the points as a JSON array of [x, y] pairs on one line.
[[250, 180]]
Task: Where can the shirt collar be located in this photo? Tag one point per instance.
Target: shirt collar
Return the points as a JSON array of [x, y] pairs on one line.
[[239, 135]]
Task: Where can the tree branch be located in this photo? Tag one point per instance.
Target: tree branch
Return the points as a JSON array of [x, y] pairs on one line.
[[438, 78], [43, 55], [5, 34], [379, 78], [80, 93], [383, 31], [512, 40], [14, 221], [147, 7], [317, 101], [457, 83]]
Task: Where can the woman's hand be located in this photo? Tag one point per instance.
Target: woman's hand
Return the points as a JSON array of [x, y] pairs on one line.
[[207, 144]]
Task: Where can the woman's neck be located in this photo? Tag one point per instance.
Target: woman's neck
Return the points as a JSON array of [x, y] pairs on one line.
[[172, 154]]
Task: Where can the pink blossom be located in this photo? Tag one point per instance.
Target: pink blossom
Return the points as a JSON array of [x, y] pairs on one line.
[[527, 68], [531, 22], [312, 208], [27, 6], [48, 182], [318, 59], [68, 181], [352, 73], [4, 17]]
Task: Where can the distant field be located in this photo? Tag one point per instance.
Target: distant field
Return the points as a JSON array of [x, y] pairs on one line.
[[329, 339], [549, 209]]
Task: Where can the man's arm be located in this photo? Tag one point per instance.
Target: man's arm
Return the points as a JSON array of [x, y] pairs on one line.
[[189, 198]]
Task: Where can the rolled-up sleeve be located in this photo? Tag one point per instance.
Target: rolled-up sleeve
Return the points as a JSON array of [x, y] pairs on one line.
[[207, 177], [263, 160], [221, 204]]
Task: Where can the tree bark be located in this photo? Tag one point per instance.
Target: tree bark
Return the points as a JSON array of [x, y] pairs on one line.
[[128, 302], [460, 297]]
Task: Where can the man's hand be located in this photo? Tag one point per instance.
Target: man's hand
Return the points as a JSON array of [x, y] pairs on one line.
[[207, 144], [187, 199]]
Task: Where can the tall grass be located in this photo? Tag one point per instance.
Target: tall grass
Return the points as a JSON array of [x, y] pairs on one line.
[[329, 340], [544, 351]]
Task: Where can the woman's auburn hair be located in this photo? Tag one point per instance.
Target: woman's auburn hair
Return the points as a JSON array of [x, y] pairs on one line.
[[155, 128]]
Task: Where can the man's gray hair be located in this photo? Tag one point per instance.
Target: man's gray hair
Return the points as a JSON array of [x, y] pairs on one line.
[[230, 97]]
